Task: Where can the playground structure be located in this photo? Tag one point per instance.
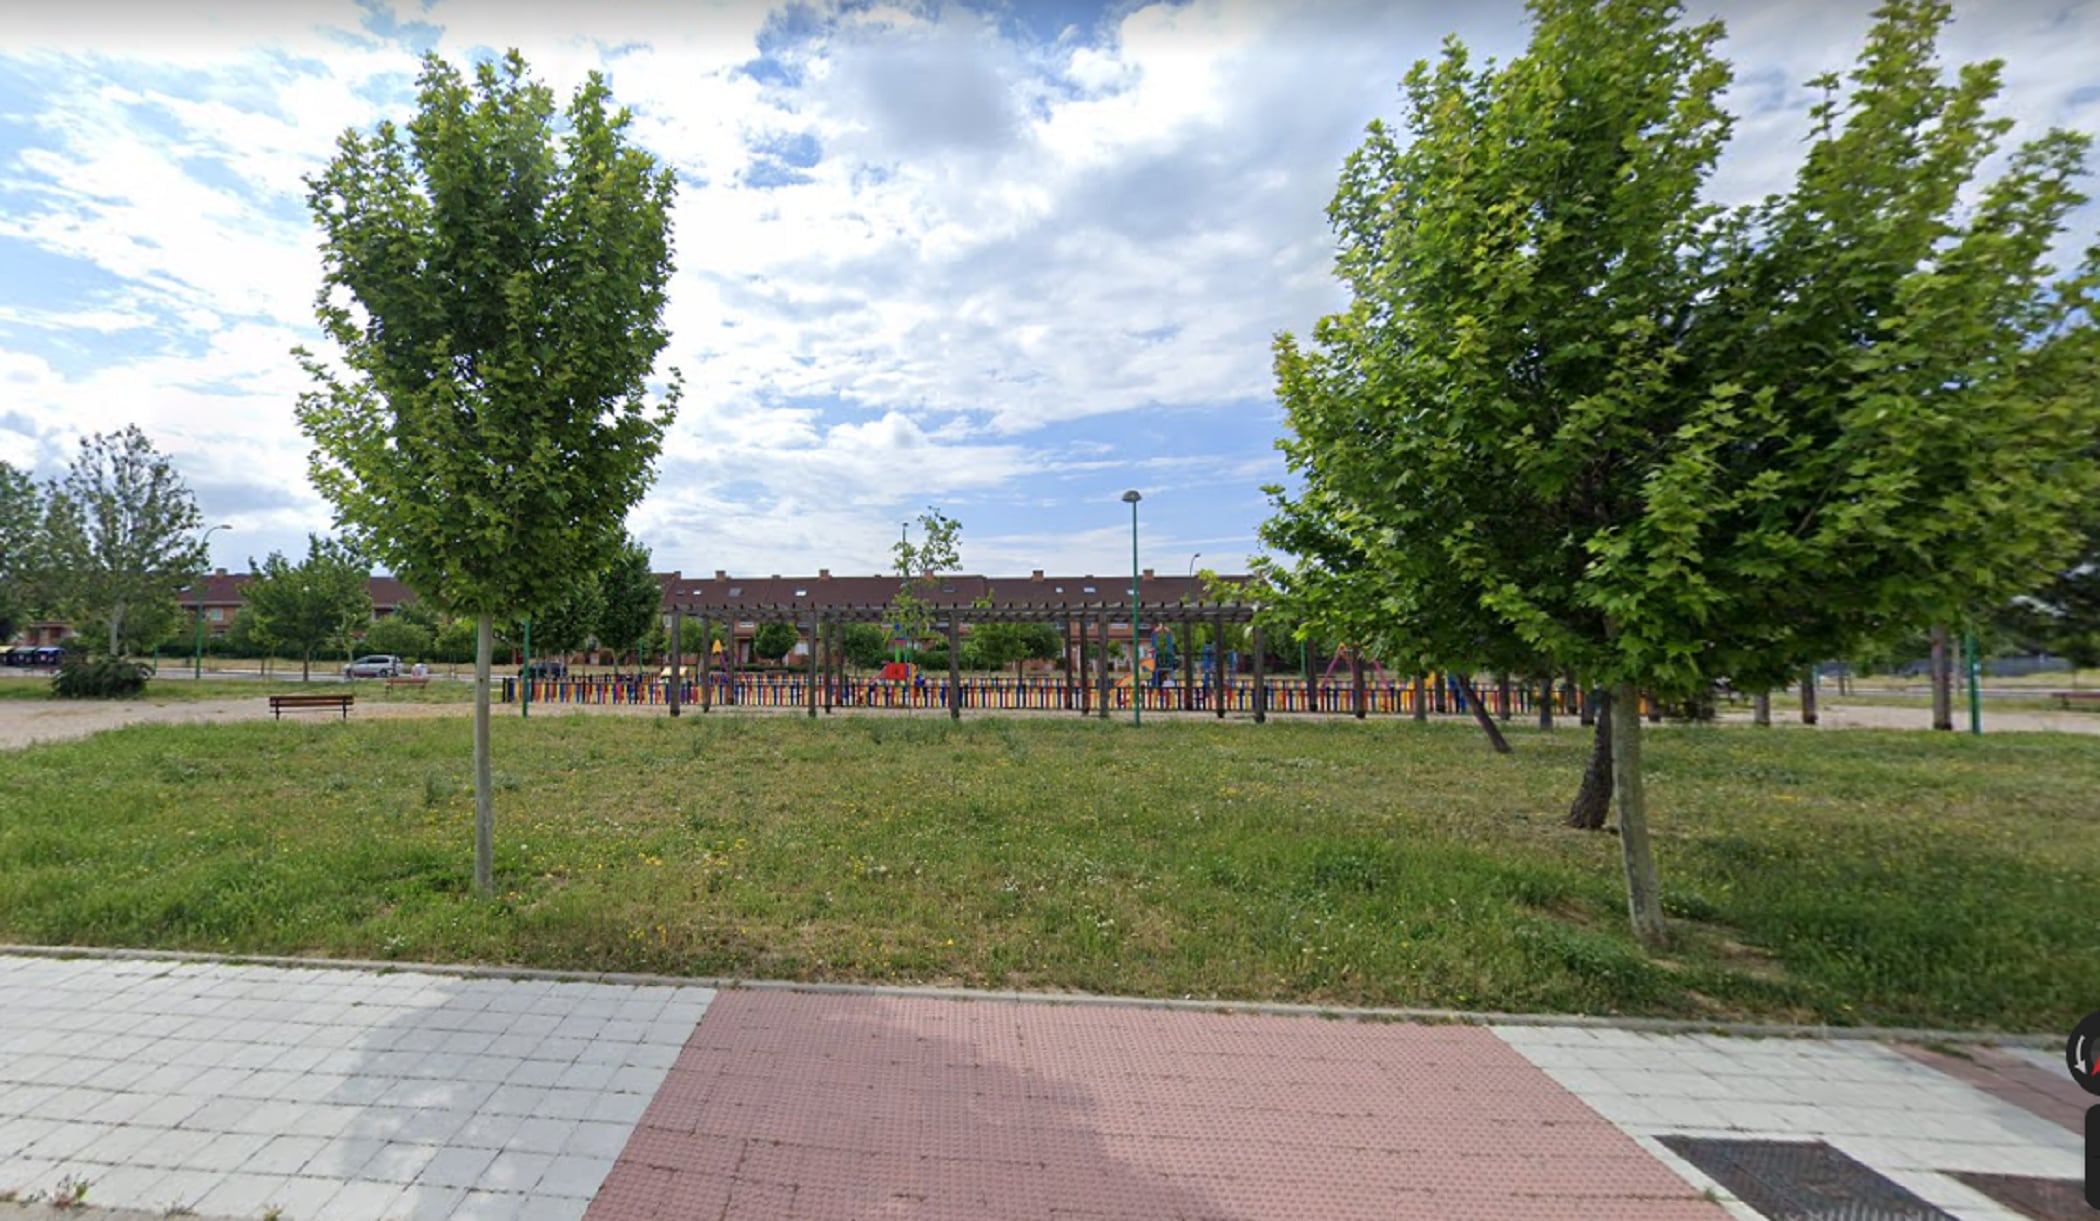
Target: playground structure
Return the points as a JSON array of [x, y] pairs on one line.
[[1085, 686]]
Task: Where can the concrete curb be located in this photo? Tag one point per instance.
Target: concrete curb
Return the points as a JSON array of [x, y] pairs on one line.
[[1754, 1030]]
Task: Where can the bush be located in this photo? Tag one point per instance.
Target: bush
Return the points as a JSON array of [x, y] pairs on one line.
[[95, 678]]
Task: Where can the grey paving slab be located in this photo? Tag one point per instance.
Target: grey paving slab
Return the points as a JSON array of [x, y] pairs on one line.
[[1899, 1117], [231, 1089]]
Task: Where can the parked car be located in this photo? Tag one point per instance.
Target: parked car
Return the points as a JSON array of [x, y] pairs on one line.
[[378, 665], [545, 667]]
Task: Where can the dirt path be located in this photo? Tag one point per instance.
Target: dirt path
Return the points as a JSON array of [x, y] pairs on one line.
[[23, 722], [1889, 716]]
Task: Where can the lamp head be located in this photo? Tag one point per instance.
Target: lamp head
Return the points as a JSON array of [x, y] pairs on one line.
[[1131, 497]]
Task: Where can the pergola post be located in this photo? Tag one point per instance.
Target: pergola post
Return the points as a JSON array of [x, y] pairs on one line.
[[677, 627], [1502, 694], [816, 630], [1261, 676], [1101, 664], [954, 669], [1421, 709], [729, 692], [705, 665], [1188, 667], [1217, 665], [1356, 679], [1075, 664]]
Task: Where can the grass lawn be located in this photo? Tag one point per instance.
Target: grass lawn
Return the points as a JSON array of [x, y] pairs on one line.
[[1856, 877]]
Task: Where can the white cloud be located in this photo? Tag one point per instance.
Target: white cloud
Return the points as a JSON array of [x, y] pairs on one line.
[[973, 248]]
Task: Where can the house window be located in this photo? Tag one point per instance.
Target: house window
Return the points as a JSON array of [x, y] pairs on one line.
[[802, 593], [1086, 589], [216, 614], [736, 591]]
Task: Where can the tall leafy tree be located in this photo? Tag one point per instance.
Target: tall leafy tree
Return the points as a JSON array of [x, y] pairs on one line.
[[312, 605], [919, 567], [1579, 416], [865, 644], [773, 639], [21, 526], [632, 599], [496, 291], [120, 536], [565, 624]]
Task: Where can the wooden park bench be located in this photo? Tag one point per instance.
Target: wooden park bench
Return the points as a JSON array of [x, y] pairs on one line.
[[2068, 698], [407, 680], [280, 704]]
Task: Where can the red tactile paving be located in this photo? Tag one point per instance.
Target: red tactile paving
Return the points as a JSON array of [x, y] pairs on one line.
[[797, 1105], [2053, 1096]]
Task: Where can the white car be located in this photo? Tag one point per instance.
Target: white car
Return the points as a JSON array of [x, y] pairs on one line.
[[378, 665]]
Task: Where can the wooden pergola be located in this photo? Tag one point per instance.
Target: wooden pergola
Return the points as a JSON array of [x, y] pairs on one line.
[[820, 620]]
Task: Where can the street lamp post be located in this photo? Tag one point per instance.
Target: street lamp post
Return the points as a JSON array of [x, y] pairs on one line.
[[1137, 677], [1192, 564], [197, 664]]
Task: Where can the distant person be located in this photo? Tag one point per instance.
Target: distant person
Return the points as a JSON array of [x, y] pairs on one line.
[[419, 672]]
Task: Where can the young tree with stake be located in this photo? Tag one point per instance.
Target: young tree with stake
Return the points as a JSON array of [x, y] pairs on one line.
[[496, 293]]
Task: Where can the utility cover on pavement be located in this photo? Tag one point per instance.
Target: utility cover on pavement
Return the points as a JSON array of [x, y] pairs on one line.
[[1801, 1181], [2042, 1199]]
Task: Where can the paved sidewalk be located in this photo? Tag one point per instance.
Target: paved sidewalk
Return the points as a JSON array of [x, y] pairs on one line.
[[248, 1091]]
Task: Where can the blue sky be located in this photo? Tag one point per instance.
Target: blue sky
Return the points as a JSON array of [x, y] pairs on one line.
[[1007, 259]]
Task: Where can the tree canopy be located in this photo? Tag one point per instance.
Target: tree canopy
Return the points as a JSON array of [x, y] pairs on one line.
[[312, 605], [21, 525], [631, 599], [1577, 416], [120, 539]]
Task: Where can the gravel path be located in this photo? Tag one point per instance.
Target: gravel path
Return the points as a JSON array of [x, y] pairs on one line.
[[1888, 716], [23, 722]]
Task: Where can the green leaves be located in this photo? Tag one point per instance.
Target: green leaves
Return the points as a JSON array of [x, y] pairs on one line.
[[496, 294], [1577, 417], [119, 537], [315, 605]]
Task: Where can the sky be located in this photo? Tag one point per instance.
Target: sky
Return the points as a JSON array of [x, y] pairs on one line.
[[1003, 259]]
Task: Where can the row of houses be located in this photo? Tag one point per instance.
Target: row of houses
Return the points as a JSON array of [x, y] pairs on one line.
[[218, 598]]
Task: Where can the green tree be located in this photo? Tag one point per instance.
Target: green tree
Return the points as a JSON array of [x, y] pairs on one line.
[[773, 639], [632, 599], [21, 525], [994, 646], [1579, 417], [564, 625], [496, 292], [244, 638], [120, 538], [399, 637], [866, 645], [919, 567], [316, 604]]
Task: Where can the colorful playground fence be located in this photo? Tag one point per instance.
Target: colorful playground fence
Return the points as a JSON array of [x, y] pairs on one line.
[[1285, 695]]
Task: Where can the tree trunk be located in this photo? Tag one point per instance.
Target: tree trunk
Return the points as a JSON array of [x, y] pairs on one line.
[[1592, 699], [1593, 799], [484, 781], [1481, 717], [1761, 709], [1546, 704], [116, 629], [1643, 891], [306, 667], [1942, 680], [1808, 696]]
